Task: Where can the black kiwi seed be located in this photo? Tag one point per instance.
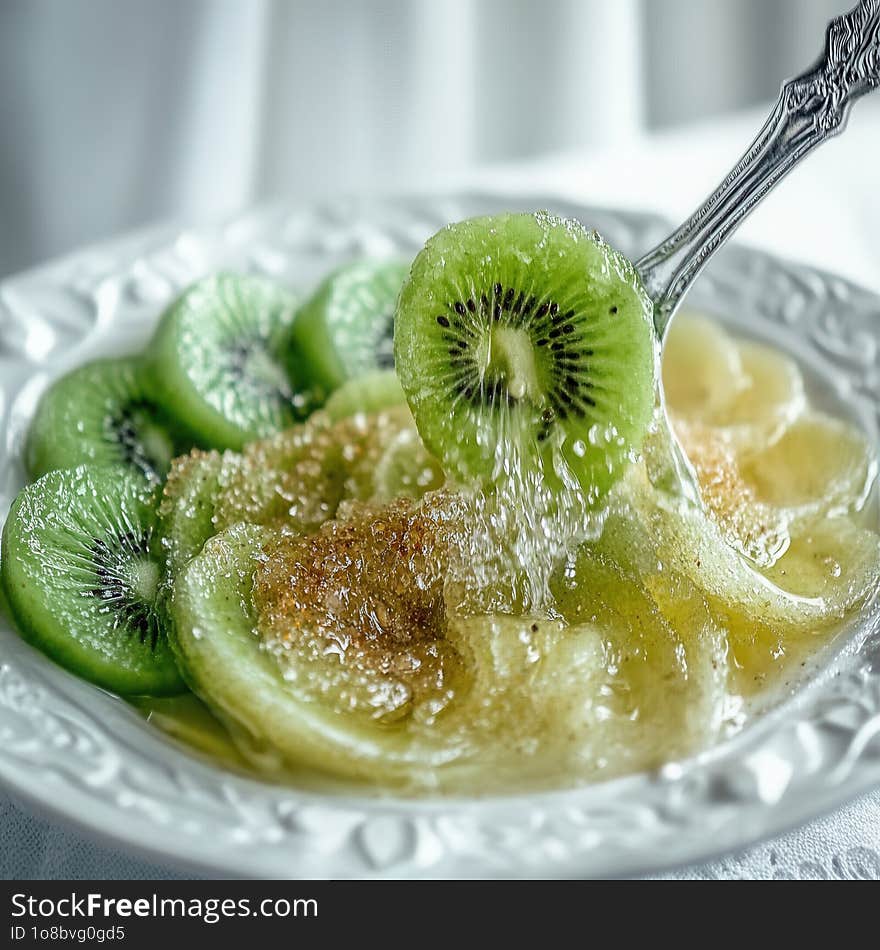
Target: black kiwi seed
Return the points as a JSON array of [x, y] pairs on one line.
[[113, 587], [240, 354], [542, 290], [125, 430], [385, 344], [567, 399]]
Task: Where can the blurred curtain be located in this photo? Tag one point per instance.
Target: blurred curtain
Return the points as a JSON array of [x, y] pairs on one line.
[[119, 112]]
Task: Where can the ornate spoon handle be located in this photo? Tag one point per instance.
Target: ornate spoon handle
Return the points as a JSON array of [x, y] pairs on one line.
[[810, 109]]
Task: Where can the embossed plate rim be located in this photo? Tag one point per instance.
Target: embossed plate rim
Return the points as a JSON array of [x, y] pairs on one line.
[[96, 766]]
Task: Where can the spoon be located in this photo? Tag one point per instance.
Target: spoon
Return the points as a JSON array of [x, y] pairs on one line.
[[811, 108]]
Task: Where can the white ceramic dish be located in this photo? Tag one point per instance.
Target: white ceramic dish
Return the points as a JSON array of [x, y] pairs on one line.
[[71, 750]]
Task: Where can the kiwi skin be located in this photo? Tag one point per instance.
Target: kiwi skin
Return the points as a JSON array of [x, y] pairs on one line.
[[5, 609]]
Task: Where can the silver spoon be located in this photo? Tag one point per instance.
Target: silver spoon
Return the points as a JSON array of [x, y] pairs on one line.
[[811, 108]]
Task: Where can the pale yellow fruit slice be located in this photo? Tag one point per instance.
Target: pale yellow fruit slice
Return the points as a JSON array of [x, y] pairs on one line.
[[818, 465], [831, 559], [297, 479], [770, 400], [702, 369], [665, 656], [765, 620], [749, 390], [757, 529]]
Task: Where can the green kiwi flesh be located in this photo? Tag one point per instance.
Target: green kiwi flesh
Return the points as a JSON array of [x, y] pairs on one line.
[[370, 393], [186, 510], [101, 413], [82, 585], [216, 362], [527, 333], [346, 328]]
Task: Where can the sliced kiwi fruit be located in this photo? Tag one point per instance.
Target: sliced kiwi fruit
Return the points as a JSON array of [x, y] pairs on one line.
[[293, 481], [216, 361], [102, 413], [5, 610], [186, 510], [526, 334], [406, 468], [387, 685], [346, 329], [81, 581], [369, 393], [381, 687], [702, 368], [227, 665]]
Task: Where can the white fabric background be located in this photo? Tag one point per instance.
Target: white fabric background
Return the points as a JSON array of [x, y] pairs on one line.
[[116, 113]]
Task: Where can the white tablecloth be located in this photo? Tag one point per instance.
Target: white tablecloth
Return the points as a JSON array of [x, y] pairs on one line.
[[826, 213]]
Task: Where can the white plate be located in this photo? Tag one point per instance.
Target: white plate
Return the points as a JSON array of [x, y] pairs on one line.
[[78, 753]]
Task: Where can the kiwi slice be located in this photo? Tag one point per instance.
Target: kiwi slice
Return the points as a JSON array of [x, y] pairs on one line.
[[216, 361], [81, 582], [226, 664], [406, 469], [389, 686], [292, 481], [370, 393], [346, 329], [101, 413], [186, 511], [365, 687], [526, 334]]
